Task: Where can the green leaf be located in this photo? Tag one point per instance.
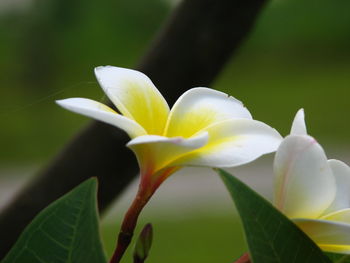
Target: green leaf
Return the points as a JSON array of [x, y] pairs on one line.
[[338, 258], [67, 231], [271, 236]]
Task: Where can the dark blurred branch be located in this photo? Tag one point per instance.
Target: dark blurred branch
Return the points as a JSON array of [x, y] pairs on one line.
[[190, 51]]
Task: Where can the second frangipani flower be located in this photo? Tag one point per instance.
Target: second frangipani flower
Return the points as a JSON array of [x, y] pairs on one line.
[[313, 191], [204, 128]]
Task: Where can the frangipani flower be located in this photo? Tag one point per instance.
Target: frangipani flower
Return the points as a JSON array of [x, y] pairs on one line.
[[313, 191], [204, 128]]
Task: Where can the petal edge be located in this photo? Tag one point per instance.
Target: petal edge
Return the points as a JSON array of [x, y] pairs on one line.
[[101, 112]]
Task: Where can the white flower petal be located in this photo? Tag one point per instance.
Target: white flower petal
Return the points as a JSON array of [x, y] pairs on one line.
[[198, 108], [299, 126], [135, 96], [155, 152], [328, 235], [234, 142], [103, 113], [304, 182], [341, 172], [340, 216]]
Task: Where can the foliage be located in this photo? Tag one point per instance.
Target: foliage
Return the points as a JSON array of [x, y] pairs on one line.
[[271, 236], [339, 258], [66, 231]]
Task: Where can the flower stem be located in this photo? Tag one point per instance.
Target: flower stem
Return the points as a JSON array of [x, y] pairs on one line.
[[129, 224], [148, 185], [243, 259]]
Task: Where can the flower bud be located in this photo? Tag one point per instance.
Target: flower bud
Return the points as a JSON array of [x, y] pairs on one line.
[[143, 244]]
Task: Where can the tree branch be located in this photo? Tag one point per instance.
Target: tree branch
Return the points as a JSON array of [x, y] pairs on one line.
[[190, 51]]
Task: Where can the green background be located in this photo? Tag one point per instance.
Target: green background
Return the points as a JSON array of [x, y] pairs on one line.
[[297, 56]]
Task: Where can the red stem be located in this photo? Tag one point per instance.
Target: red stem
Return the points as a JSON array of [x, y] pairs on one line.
[[129, 224], [148, 185], [243, 259]]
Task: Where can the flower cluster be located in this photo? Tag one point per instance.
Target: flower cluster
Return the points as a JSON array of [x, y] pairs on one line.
[[204, 128], [209, 128]]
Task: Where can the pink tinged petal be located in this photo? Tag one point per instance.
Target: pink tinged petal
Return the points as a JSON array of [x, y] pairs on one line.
[[299, 126], [157, 152], [101, 112], [328, 235], [234, 142], [135, 96], [341, 172], [304, 182], [199, 108]]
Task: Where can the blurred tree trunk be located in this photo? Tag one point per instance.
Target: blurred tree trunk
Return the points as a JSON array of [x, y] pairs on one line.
[[190, 51]]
